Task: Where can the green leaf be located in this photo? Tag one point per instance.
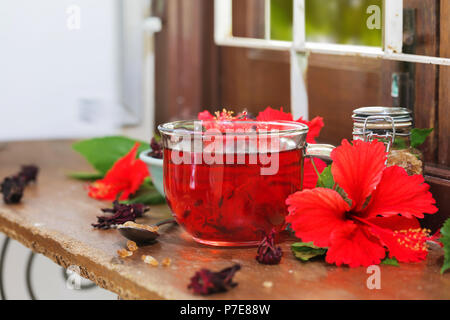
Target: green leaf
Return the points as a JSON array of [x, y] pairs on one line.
[[102, 153], [445, 240], [305, 251], [147, 194], [390, 261], [325, 179], [148, 198], [418, 136], [399, 143], [87, 176]]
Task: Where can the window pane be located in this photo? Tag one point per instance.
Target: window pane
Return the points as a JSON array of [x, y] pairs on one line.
[[343, 22], [329, 21], [281, 18]]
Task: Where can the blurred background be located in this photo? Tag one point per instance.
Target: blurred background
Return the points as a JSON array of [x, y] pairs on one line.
[[83, 68]]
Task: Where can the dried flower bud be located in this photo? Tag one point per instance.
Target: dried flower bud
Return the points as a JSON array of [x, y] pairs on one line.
[[124, 253], [12, 189], [29, 173], [267, 252], [132, 246], [121, 214], [157, 149], [208, 282], [150, 260]]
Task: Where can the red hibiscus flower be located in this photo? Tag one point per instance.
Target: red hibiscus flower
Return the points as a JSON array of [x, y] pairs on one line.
[[205, 116], [382, 216], [124, 178], [315, 125]]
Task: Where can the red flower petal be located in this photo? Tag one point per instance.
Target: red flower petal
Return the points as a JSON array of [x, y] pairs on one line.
[[205, 115], [399, 193], [314, 214], [309, 174], [315, 126], [124, 178], [104, 190], [403, 237], [353, 245], [394, 222], [272, 115], [358, 168]]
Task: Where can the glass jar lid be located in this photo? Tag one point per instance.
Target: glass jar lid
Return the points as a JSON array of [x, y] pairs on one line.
[[382, 118], [382, 123]]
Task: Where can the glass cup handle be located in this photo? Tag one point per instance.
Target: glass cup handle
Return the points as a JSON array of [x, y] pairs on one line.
[[322, 151]]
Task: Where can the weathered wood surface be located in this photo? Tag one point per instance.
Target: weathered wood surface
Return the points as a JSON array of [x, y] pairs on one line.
[[55, 220]]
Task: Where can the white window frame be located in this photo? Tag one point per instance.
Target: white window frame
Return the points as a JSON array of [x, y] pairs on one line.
[[392, 35], [391, 49], [137, 28]]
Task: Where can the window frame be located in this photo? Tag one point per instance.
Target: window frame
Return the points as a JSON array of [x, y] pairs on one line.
[[392, 35]]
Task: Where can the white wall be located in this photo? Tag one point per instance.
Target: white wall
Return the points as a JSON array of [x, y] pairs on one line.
[[50, 74]]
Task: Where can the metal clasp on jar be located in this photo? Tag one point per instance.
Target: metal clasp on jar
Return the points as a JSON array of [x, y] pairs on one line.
[[388, 137]]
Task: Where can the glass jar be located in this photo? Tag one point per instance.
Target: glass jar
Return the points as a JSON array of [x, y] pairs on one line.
[[392, 126]]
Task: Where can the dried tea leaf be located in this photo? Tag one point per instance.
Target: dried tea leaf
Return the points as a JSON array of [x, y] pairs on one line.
[[121, 213]]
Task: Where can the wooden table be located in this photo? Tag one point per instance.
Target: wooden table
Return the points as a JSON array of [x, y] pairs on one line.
[[55, 219]]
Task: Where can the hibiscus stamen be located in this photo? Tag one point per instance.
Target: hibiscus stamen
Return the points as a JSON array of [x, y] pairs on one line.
[[224, 115], [413, 239]]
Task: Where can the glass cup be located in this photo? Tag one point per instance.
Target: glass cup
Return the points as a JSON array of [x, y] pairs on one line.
[[227, 182]]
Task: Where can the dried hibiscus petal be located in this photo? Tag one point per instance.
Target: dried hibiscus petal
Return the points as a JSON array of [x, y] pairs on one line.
[[206, 282], [121, 214], [157, 149], [12, 189], [267, 252], [28, 173]]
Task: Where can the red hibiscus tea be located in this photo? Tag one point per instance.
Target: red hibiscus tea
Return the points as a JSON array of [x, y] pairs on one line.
[[231, 204], [227, 182]]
